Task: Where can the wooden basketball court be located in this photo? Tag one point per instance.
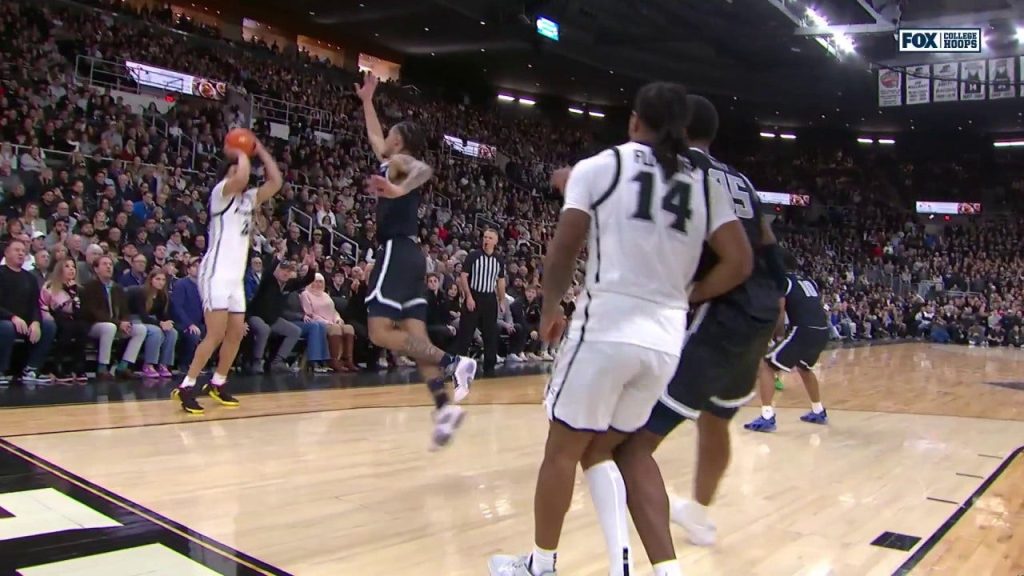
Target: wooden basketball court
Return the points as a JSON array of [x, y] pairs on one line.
[[919, 472]]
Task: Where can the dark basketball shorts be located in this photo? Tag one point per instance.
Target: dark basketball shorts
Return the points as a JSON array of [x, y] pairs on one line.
[[717, 370], [397, 283], [800, 348]]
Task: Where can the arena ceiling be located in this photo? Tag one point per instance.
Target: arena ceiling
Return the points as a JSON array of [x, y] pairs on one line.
[[761, 56]]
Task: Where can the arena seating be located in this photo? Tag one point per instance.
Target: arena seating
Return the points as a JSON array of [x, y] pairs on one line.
[[71, 153]]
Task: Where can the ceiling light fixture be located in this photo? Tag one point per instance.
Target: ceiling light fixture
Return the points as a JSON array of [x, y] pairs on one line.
[[506, 98], [886, 141], [596, 114], [575, 111], [527, 102], [767, 135], [787, 136]]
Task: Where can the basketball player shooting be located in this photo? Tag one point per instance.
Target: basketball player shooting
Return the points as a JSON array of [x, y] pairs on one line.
[[396, 305], [641, 198], [222, 273], [719, 363]]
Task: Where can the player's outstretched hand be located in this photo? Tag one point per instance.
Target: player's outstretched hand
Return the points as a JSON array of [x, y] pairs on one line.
[[365, 92]]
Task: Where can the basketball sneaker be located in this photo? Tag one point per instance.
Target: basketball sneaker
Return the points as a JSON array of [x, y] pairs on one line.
[[187, 396], [813, 417], [761, 424], [694, 519], [447, 420], [505, 565], [221, 394], [464, 371]]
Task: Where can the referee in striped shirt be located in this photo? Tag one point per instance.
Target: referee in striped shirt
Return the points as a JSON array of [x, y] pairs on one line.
[[482, 284]]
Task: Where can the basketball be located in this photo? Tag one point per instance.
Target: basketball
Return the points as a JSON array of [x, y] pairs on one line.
[[242, 140]]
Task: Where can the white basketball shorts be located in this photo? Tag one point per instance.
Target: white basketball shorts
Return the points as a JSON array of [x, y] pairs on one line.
[[221, 295], [597, 386]]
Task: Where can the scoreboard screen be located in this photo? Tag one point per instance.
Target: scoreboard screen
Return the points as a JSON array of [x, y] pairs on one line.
[[547, 28]]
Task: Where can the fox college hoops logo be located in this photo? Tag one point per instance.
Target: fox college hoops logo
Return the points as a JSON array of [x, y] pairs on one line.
[[940, 39]]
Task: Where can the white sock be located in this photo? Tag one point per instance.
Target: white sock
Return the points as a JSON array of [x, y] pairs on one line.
[[668, 568], [608, 492], [767, 412], [817, 408], [542, 561], [188, 382], [218, 380]]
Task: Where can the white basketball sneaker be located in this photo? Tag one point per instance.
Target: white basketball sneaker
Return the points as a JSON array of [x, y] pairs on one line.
[[465, 371], [505, 565], [446, 421], [693, 518]]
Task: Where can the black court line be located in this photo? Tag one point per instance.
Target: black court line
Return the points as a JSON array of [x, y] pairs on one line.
[[199, 419], [943, 500], [247, 564], [991, 456], [939, 534], [964, 474]]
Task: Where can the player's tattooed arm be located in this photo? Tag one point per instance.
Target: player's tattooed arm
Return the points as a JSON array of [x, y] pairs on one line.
[[417, 172]]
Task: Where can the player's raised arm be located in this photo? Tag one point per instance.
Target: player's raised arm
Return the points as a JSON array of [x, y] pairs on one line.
[[238, 181], [374, 132], [274, 178], [729, 241]]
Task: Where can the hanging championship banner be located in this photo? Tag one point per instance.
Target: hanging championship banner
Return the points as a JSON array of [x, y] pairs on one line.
[[972, 80], [1002, 78], [945, 84], [890, 88], [919, 84]]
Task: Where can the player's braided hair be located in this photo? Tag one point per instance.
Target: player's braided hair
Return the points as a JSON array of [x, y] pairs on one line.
[[413, 140], [663, 108]]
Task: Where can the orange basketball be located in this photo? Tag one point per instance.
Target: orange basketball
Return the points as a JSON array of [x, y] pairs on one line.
[[242, 140]]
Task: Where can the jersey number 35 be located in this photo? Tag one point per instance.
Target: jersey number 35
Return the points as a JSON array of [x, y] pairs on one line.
[[737, 188]]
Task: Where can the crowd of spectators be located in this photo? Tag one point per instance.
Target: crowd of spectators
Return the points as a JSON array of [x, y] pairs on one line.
[[103, 207]]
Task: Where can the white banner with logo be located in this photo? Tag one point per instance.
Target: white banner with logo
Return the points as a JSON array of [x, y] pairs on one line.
[[919, 84], [945, 84], [1003, 78], [890, 87], [972, 80]]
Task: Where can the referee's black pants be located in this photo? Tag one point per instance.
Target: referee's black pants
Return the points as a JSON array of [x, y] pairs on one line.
[[484, 317]]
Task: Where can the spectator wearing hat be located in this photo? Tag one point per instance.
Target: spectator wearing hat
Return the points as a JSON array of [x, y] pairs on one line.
[[264, 312]]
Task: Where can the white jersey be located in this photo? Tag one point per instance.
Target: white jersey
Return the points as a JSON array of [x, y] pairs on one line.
[[645, 242], [227, 245]]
